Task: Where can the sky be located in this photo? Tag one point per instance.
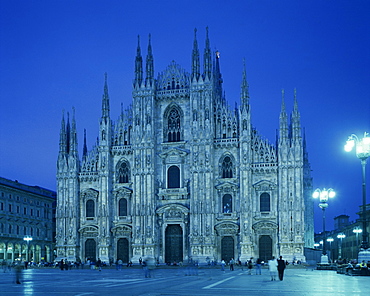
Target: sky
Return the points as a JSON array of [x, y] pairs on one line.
[[53, 56]]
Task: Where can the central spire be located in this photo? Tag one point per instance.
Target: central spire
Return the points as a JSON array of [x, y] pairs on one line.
[[105, 101]]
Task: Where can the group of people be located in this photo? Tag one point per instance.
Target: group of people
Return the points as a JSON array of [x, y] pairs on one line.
[[276, 266]]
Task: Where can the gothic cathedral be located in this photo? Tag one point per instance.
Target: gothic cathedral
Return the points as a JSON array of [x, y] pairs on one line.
[[180, 176]]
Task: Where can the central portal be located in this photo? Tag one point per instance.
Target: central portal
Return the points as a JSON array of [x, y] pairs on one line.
[[173, 244], [227, 248], [123, 250]]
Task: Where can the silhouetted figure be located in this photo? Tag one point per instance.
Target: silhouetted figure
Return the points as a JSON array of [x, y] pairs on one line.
[[281, 267]]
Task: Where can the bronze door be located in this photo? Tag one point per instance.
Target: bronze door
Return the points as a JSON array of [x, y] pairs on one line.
[[174, 244], [123, 250], [90, 249], [265, 248], [227, 248]]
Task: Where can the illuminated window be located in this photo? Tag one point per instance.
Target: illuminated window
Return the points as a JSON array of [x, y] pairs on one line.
[[227, 203]]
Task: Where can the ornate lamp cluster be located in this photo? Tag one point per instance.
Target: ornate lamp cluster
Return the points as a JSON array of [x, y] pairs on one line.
[[363, 153], [323, 196]]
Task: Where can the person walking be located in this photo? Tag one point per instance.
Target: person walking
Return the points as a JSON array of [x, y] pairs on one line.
[[98, 264], [18, 272], [223, 263], [281, 267], [273, 268], [258, 266], [232, 262], [250, 266]]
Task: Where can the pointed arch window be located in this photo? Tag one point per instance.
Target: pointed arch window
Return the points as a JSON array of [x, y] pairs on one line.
[[227, 167], [174, 126], [123, 173], [173, 177], [90, 208], [265, 202], [227, 203], [122, 207]]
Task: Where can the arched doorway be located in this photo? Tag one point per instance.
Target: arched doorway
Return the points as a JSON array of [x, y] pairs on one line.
[[123, 250], [265, 248], [227, 248], [173, 244], [90, 249]]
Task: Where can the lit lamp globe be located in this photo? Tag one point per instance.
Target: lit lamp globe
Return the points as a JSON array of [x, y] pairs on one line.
[[323, 195]]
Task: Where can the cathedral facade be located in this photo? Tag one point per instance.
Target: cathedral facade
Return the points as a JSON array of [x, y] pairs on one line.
[[180, 176]]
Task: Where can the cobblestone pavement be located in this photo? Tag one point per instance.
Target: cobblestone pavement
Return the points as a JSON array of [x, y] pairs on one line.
[[180, 281]]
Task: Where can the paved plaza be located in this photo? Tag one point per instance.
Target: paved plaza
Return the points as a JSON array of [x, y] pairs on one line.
[[171, 281]]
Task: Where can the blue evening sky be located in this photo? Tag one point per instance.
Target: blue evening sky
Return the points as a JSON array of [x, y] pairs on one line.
[[53, 56]]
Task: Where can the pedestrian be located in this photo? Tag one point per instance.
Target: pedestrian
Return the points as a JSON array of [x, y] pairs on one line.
[[98, 264], [281, 267], [250, 266], [232, 262], [223, 263], [273, 268], [18, 272], [258, 266], [119, 264]]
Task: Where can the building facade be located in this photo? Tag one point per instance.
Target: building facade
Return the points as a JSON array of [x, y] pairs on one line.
[[345, 240], [26, 212], [181, 176]]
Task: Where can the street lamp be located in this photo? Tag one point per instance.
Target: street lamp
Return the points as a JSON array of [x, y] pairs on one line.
[[363, 153], [28, 238], [357, 230], [341, 236], [330, 240], [323, 196]]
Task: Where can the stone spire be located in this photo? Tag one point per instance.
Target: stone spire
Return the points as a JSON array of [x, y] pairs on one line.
[[195, 58], [207, 59], [84, 151], [244, 91], [138, 65], [149, 65], [63, 137], [217, 74], [283, 119], [105, 100], [73, 136], [296, 119]]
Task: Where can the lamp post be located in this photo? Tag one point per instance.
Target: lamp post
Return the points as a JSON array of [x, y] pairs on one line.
[[357, 230], [28, 238], [323, 196], [362, 153], [330, 240], [341, 236]]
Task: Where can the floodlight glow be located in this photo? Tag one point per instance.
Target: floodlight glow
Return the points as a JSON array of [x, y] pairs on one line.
[[349, 146]]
